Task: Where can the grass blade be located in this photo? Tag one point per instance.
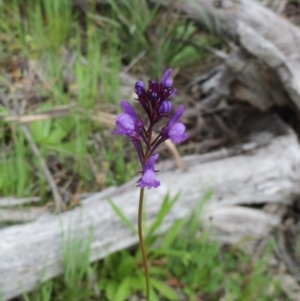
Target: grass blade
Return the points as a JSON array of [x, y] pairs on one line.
[[122, 217]]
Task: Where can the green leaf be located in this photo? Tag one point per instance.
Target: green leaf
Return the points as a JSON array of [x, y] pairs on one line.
[[189, 293], [57, 135], [183, 254], [110, 290], [153, 295], [157, 271], [164, 290], [123, 218], [126, 266], [103, 283], [137, 282], [172, 234], [40, 130], [66, 148], [163, 211], [123, 291]]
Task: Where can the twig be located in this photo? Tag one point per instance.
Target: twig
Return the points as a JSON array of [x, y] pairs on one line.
[[283, 253], [56, 112], [22, 215], [218, 53], [11, 201], [59, 204], [173, 150]]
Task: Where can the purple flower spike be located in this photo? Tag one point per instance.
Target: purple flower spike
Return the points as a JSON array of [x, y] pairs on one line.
[[148, 174], [155, 100], [165, 78], [174, 130], [139, 87], [165, 107]]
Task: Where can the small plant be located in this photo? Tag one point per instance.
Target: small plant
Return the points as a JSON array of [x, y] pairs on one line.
[[120, 273], [156, 103]]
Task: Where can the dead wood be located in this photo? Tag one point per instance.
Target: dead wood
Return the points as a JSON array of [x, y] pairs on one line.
[[10, 201], [264, 69], [267, 173]]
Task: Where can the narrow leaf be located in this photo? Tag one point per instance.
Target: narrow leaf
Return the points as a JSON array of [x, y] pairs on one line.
[[122, 217], [164, 290], [123, 291]]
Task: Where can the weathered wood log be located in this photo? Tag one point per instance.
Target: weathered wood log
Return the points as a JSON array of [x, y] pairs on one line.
[[234, 225], [31, 253], [264, 69]]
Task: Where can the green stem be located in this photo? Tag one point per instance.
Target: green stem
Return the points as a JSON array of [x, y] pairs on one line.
[[142, 245]]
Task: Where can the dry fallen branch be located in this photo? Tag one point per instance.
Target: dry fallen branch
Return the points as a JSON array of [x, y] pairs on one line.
[[21, 215], [57, 112], [269, 174], [265, 69], [11, 201], [285, 255], [234, 225]]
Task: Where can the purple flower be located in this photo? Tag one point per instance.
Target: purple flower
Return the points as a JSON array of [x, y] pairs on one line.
[[155, 100], [174, 130], [125, 125], [148, 174], [176, 133], [128, 123]]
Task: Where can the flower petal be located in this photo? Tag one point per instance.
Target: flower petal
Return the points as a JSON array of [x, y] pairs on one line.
[[166, 76], [176, 133], [127, 108], [175, 117], [148, 180], [150, 162], [169, 82], [125, 125]]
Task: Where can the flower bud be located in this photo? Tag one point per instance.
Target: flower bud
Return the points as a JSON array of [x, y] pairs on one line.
[[152, 83], [139, 87], [154, 96], [165, 107]]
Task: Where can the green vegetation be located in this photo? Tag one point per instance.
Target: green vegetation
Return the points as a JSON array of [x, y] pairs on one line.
[[183, 264], [55, 56]]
